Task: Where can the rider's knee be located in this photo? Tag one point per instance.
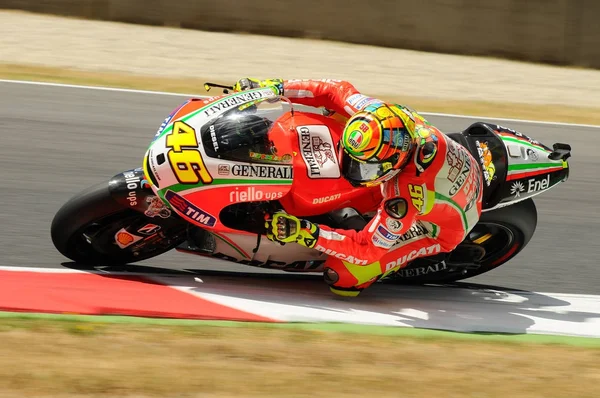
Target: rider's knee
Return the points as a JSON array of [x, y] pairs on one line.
[[343, 283]]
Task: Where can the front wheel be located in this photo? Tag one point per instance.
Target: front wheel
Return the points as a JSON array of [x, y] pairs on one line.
[[93, 229], [501, 233]]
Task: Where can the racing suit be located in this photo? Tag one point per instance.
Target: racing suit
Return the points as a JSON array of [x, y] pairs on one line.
[[427, 208]]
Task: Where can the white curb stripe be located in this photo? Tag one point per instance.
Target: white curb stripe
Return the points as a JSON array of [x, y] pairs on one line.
[[458, 309]]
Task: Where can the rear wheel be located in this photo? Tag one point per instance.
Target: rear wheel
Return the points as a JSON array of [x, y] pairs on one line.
[[85, 228], [499, 235]]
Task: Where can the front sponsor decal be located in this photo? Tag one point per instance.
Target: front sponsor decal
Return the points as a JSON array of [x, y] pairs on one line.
[[190, 210], [213, 136], [331, 198], [252, 194], [149, 229], [132, 182], [156, 207], [160, 159], [238, 99], [261, 171], [318, 152], [125, 239], [223, 169], [424, 251], [341, 256]]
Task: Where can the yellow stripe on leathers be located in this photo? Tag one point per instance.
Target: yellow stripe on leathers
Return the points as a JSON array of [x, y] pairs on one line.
[[344, 293], [363, 273]]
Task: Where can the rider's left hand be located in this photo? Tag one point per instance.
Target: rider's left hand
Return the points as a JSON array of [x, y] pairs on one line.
[[285, 228], [248, 83]]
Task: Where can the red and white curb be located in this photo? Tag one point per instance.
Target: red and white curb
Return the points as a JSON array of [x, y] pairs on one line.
[[266, 299]]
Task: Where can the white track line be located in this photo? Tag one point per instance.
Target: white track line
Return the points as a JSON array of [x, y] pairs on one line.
[[97, 271], [100, 88], [126, 90]]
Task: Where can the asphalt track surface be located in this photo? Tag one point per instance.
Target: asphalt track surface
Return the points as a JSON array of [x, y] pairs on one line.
[[56, 141]]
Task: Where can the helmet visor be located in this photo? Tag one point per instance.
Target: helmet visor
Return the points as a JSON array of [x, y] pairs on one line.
[[360, 173]]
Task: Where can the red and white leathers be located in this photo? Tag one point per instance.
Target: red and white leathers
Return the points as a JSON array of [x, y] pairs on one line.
[[427, 208]]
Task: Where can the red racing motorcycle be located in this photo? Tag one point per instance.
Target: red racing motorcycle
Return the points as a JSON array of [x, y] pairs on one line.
[[217, 166]]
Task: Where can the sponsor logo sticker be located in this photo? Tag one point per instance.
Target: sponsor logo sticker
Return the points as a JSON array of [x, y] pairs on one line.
[[149, 229], [318, 151], [325, 199], [189, 210], [424, 251], [393, 224], [125, 239], [223, 169]]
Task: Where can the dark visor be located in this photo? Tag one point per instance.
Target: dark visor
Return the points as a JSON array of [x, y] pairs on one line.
[[358, 173]]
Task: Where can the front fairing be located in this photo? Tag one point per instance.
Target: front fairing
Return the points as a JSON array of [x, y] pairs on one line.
[[197, 167]]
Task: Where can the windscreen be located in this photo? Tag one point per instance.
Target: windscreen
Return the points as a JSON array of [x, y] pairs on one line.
[[243, 133]]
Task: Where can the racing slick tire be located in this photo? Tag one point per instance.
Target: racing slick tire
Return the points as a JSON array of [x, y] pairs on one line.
[[85, 227]]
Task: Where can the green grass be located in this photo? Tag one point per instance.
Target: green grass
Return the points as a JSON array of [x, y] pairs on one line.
[[96, 356], [82, 324]]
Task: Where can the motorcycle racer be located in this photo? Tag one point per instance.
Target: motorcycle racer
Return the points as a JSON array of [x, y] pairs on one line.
[[431, 186]]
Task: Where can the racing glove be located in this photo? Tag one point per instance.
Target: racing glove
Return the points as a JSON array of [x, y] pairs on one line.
[[248, 83], [285, 228]]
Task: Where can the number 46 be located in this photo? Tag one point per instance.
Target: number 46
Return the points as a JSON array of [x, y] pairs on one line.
[[185, 159], [416, 195]]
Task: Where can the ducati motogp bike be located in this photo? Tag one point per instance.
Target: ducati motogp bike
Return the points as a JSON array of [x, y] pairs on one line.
[[204, 188]]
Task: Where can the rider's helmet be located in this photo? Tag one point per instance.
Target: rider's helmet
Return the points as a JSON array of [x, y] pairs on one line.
[[377, 143]]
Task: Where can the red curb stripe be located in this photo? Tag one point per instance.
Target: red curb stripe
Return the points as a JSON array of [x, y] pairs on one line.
[[94, 294]]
